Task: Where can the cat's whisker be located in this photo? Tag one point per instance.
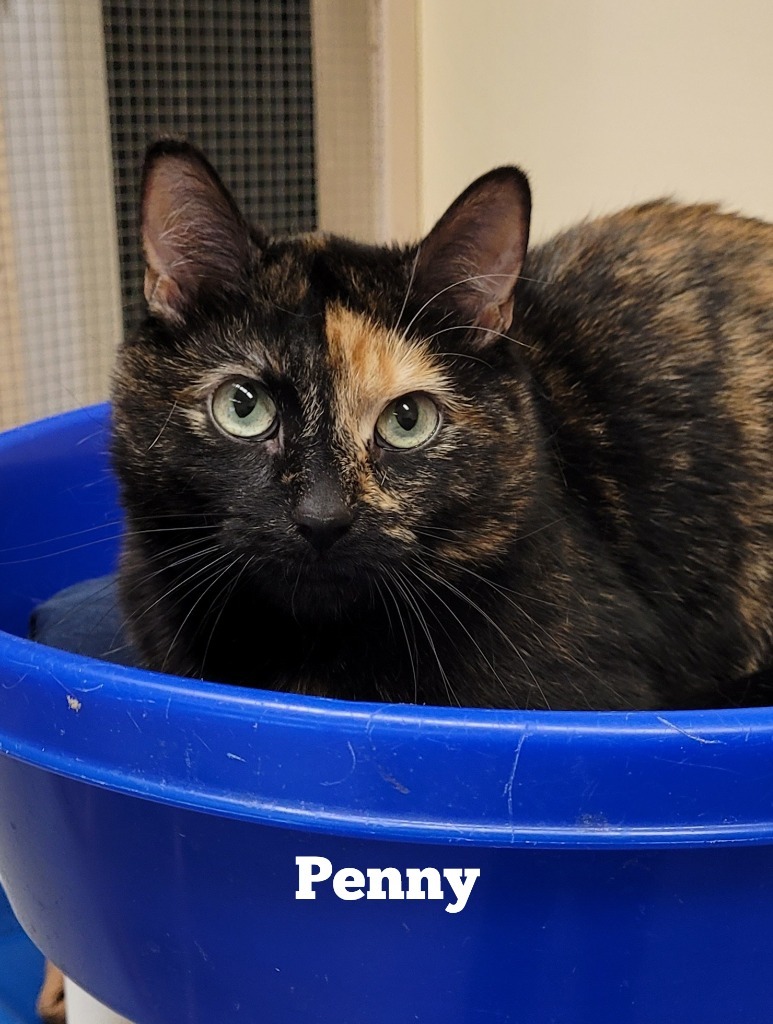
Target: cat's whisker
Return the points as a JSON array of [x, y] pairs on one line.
[[410, 285], [108, 538], [184, 582], [441, 291], [164, 425], [411, 595], [550, 641], [93, 543], [412, 654], [488, 331], [212, 582], [88, 602], [60, 551], [179, 520], [466, 356], [114, 648], [226, 593], [461, 567], [458, 284], [170, 566], [303, 563], [63, 537], [491, 621], [506, 594], [518, 537], [441, 533], [536, 280], [416, 616], [425, 583], [374, 584], [426, 580], [74, 609]]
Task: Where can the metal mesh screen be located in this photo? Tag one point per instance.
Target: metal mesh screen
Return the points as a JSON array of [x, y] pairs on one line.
[[84, 86], [233, 77]]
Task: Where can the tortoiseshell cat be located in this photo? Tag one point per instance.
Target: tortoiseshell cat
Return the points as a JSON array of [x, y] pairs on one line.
[[451, 473]]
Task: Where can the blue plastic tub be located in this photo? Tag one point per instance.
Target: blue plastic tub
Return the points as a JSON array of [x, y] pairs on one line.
[[149, 827]]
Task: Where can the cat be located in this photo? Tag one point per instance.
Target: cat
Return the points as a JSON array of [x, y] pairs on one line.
[[462, 472]]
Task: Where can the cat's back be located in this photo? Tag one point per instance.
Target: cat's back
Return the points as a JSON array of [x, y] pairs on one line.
[[650, 338], [666, 306], [660, 271]]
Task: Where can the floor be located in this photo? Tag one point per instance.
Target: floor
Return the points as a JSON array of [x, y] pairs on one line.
[[21, 970]]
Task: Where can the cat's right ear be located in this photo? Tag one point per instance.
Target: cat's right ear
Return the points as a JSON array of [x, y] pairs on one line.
[[471, 260], [195, 240]]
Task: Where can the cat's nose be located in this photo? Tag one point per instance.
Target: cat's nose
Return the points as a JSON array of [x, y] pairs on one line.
[[322, 516]]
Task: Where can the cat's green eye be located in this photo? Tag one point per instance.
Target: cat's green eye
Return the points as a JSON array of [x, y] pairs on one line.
[[243, 408], [408, 422]]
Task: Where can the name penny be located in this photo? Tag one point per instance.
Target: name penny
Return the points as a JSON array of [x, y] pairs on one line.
[[453, 885]]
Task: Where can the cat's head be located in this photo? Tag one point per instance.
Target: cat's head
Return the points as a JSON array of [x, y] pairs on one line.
[[342, 417]]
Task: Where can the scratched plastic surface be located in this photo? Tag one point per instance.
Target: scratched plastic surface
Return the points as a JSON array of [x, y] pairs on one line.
[[149, 826]]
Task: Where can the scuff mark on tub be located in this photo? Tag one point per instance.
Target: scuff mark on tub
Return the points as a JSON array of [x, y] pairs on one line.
[[594, 820], [687, 733], [348, 775], [201, 741], [385, 774], [388, 777], [508, 790]]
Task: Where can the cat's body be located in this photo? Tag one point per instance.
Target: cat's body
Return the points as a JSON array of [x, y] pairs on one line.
[[586, 519]]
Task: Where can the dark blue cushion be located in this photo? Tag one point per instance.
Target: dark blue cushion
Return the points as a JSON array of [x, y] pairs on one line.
[[85, 619]]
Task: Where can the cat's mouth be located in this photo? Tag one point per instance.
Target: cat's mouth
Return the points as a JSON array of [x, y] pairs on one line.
[[317, 586]]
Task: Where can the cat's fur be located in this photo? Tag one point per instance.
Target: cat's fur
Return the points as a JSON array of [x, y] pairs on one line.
[[590, 527]]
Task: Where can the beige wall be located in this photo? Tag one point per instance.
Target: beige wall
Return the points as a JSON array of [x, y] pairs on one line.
[[366, 110], [603, 102], [60, 305]]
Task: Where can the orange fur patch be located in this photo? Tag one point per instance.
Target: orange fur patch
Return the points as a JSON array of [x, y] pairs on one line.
[[372, 366]]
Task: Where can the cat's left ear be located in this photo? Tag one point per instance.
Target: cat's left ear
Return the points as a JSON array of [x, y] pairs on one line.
[[195, 240], [470, 261]]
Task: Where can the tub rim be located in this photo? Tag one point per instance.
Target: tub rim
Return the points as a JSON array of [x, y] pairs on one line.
[[543, 778]]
